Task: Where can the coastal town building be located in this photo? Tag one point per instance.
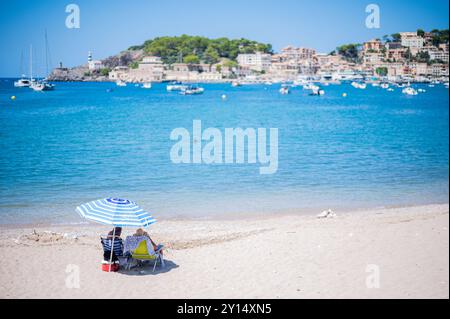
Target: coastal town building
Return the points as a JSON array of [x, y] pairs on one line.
[[412, 41], [256, 61], [419, 69], [428, 38], [150, 69], [293, 61], [439, 55], [439, 70], [374, 45], [287, 70], [396, 54], [190, 72], [119, 73], [394, 69], [372, 58], [297, 55], [444, 47]]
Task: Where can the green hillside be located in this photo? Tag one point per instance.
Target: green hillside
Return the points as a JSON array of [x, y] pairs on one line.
[[194, 49]]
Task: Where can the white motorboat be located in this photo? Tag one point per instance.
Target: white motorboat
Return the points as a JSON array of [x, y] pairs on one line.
[[384, 85], [121, 83], [359, 85], [176, 86], [409, 91], [147, 85], [192, 90], [22, 83]]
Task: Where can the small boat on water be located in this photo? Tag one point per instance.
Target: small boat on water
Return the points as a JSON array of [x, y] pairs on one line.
[[22, 82], [192, 90], [359, 85], [121, 83], [384, 85], [409, 91], [235, 84], [147, 85], [284, 90], [40, 86], [308, 86], [317, 91], [176, 86]]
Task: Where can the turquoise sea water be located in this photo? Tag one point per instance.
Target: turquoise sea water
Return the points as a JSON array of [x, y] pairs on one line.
[[80, 143]]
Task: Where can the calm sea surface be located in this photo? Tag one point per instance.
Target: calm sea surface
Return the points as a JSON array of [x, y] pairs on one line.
[[80, 143]]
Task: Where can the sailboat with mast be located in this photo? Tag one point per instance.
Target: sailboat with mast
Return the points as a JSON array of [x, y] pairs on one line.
[[42, 85], [23, 81]]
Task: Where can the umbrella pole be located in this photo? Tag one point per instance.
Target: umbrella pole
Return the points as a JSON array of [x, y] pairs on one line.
[[112, 248]]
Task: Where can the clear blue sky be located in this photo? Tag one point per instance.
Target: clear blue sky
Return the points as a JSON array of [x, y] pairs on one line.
[[108, 27]]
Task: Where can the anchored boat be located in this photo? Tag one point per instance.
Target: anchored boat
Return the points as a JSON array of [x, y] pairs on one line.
[[176, 86], [192, 90]]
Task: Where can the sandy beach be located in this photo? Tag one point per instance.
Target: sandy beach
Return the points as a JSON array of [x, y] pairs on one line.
[[382, 253]]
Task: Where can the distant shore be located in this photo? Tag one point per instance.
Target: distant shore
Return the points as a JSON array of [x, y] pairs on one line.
[[379, 253]]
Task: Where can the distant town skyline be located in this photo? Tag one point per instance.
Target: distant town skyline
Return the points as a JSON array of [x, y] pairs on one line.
[[107, 28]]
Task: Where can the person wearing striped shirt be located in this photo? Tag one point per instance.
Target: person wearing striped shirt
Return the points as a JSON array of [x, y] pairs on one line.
[[118, 245]]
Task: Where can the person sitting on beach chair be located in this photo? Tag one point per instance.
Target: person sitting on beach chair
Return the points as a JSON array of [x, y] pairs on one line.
[[108, 242], [141, 232], [142, 248]]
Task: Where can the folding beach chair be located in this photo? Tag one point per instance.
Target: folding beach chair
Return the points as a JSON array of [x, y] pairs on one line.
[[145, 252]]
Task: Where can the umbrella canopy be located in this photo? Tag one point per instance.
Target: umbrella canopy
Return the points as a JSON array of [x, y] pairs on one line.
[[117, 212]]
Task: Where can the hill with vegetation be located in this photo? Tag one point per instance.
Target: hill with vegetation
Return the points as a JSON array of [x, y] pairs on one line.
[[196, 49]]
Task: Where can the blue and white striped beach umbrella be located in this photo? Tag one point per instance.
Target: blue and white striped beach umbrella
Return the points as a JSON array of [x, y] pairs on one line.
[[116, 212]]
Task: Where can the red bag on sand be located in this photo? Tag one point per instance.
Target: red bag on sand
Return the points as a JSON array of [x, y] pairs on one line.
[[114, 267]]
